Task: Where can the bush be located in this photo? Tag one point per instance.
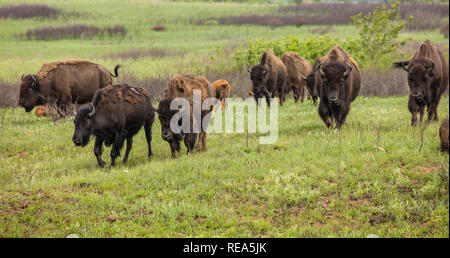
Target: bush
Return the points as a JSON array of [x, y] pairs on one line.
[[28, 11], [73, 32]]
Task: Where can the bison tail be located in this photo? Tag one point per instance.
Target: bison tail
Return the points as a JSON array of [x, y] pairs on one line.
[[116, 71], [398, 65]]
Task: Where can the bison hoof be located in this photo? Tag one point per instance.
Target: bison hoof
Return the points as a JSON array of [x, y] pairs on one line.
[[101, 164]]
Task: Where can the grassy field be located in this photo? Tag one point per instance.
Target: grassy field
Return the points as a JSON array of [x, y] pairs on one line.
[[314, 182], [372, 177]]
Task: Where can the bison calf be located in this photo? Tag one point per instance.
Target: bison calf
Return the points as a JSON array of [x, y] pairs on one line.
[[443, 134], [116, 113], [222, 88]]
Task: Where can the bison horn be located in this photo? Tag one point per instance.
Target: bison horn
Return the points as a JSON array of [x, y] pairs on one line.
[[347, 72], [34, 79], [432, 62], [23, 76], [92, 113], [321, 72], [249, 69], [303, 77], [74, 111]]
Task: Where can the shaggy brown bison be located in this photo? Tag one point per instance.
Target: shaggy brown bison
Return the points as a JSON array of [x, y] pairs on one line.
[[310, 79], [222, 88], [116, 113], [427, 80], [338, 85], [183, 86], [64, 83], [269, 78], [443, 134], [297, 69]]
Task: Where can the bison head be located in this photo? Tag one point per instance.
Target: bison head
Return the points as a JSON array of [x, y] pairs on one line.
[[258, 75], [29, 95], [310, 84], [83, 125], [165, 114], [333, 76], [420, 75]]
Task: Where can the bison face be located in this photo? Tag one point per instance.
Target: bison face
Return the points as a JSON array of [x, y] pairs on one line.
[[310, 84], [83, 125], [419, 78], [258, 75], [29, 95], [333, 77], [165, 115]]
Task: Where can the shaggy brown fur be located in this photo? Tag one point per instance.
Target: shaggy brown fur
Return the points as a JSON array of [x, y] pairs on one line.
[[182, 86], [222, 88], [297, 69], [269, 78], [338, 81], [64, 83], [427, 79], [443, 134]]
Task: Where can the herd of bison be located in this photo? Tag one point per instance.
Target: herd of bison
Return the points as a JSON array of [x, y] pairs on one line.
[[115, 113]]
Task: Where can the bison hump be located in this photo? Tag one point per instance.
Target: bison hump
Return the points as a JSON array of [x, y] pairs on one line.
[[46, 68]]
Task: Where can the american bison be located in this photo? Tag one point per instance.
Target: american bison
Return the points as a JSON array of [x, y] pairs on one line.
[[297, 69], [64, 83], [183, 86], [338, 85], [116, 113], [443, 134], [269, 78], [222, 88], [427, 80]]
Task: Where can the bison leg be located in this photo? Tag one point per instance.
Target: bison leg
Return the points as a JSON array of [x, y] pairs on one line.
[[115, 150], [324, 113], [129, 146], [98, 150], [148, 135], [302, 93], [414, 108], [297, 94]]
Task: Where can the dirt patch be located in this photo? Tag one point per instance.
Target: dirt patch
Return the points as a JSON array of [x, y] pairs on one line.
[[380, 218]]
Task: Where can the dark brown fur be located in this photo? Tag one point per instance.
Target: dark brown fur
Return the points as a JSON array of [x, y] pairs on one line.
[[269, 78], [116, 114], [443, 134], [338, 81], [427, 79], [64, 83], [182, 86], [297, 69]]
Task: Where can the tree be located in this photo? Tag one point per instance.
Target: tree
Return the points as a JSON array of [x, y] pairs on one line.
[[379, 31]]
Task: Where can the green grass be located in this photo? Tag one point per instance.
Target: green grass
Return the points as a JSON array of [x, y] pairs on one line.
[[314, 182]]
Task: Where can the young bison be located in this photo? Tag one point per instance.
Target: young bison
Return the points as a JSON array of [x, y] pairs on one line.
[[443, 134], [222, 88], [297, 69], [183, 86], [116, 113], [41, 111]]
